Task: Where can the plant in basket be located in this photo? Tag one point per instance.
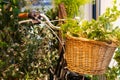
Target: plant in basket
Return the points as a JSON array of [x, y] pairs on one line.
[[90, 44]]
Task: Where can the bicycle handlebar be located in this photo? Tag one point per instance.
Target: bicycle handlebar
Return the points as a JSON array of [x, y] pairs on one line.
[[47, 21], [48, 24], [25, 21]]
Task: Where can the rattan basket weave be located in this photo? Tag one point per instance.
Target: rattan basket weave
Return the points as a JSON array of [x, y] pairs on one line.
[[88, 56]]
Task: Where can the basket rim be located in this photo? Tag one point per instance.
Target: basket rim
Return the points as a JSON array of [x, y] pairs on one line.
[[70, 37]]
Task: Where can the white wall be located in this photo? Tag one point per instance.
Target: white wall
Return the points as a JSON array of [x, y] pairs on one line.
[[88, 12], [104, 4], [107, 3]]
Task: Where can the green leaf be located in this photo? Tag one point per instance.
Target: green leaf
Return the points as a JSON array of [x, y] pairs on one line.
[[3, 44]]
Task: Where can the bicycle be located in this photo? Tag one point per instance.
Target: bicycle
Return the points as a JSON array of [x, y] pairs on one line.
[[60, 72]]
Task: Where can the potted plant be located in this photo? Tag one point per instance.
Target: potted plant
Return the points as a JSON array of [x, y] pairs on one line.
[[90, 45]]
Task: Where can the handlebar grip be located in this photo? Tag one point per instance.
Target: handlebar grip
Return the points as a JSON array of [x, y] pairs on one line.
[[23, 15]]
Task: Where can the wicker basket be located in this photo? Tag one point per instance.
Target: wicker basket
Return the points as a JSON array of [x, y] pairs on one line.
[[88, 56]]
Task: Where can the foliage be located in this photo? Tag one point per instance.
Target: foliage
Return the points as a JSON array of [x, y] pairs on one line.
[[26, 51], [72, 27], [113, 72], [72, 6], [117, 56], [52, 15], [101, 29], [40, 51]]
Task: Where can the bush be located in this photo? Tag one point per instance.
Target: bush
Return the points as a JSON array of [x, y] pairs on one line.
[[26, 51]]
